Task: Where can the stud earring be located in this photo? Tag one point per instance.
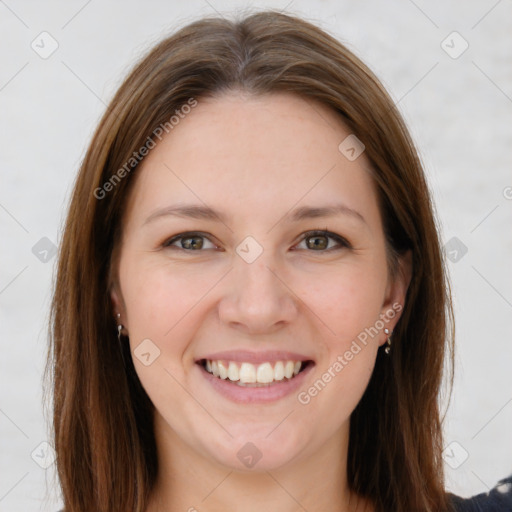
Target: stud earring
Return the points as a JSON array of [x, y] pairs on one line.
[[387, 349]]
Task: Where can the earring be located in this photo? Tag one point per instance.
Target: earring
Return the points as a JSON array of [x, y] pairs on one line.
[[387, 349], [119, 327], [121, 346]]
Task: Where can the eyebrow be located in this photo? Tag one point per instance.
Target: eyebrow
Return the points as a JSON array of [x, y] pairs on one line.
[[203, 212]]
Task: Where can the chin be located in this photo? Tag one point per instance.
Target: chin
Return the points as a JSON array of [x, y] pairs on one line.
[[254, 454]]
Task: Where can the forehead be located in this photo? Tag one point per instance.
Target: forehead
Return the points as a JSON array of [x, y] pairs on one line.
[[255, 155]]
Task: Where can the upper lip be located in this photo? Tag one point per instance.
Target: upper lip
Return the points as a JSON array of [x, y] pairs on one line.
[[247, 356]]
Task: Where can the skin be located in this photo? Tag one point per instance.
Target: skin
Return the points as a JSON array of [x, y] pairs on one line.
[[255, 159]]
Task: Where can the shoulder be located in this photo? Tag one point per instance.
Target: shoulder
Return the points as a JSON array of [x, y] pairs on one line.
[[498, 499]]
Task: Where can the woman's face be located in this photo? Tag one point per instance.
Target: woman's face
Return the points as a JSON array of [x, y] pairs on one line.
[[259, 290]]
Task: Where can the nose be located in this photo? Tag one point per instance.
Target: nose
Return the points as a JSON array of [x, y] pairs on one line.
[[258, 299]]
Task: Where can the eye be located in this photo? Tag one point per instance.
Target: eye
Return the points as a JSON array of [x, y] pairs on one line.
[[320, 241], [317, 241], [189, 242]]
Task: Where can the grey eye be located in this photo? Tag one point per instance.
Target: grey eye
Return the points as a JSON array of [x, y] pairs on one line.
[[323, 241]]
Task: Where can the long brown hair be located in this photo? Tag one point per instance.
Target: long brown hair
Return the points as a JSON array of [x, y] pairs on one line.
[[102, 417]]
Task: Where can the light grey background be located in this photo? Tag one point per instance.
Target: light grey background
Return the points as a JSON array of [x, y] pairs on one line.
[[459, 112]]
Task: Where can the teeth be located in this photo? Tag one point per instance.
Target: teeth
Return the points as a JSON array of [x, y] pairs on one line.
[[288, 369], [223, 371], [248, 373], [279, 371], [233, 373], [265, 373]]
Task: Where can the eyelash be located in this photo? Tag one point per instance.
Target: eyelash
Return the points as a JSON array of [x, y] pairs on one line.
[[342, 242]]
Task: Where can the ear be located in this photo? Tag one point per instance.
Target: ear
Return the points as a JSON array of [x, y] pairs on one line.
[[396, 292]]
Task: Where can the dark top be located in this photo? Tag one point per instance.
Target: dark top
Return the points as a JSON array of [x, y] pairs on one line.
[[498, 499]]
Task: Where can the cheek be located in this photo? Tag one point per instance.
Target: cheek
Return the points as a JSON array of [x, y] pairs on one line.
[[350, 351], [348, 303], [347, 299], [161, 301], [160, 305], [337, 390]]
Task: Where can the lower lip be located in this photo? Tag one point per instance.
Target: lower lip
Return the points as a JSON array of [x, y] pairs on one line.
[[255, 395]]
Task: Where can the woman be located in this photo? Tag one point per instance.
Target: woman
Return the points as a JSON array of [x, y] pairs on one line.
[[251, 307]]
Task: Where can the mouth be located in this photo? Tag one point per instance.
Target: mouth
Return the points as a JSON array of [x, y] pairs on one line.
[[254, 375]]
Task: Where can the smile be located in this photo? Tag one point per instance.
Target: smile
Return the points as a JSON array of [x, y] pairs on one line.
[[253, 375]]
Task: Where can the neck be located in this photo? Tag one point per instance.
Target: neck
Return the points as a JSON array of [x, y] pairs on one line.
[[188, 481]]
